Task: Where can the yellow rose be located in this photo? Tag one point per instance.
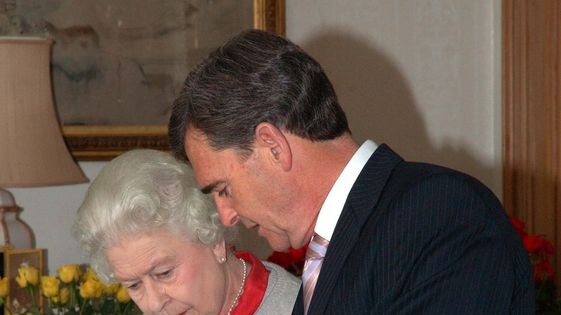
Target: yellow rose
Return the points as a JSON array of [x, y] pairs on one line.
[[32, 275], [50, 286], [22, 282], [69, 273], [91, 289], [64, 294], [110, 289], [90, 274], [4, 287], [27, 276], [123, 295]]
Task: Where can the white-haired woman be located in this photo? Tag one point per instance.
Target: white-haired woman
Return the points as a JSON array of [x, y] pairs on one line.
[[145, 223]]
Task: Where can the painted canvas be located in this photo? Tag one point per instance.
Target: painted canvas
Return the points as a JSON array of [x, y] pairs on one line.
[[122, 62]]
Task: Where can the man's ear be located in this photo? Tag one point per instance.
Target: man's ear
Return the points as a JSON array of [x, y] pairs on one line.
[[275, 144]]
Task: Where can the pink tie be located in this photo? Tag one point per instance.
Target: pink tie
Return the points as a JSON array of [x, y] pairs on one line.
[[314, 258]]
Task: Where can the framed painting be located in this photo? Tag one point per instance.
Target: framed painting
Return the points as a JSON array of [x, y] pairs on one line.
[[117, 66]]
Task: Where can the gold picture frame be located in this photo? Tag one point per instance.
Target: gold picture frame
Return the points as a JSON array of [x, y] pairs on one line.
[[97, 142], [12, 259]]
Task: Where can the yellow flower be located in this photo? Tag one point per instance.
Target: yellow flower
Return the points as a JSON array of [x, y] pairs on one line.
[[64, 294], [4, 287], [27, 276], [110, 289], [90, 274], [69, 273], [50, 286], [123, 294], [22, 282], [91, 289]]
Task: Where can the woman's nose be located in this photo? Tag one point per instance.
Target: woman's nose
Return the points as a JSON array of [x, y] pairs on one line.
[[156, 299]]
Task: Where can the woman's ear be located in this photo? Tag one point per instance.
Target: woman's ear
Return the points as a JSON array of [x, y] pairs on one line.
[[219, 251], [275, 145]]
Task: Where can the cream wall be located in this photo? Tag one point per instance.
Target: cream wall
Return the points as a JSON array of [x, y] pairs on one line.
[[421, 75]]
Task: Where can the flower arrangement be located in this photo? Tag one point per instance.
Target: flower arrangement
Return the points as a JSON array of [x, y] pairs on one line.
[[75, 290], [540, 251]]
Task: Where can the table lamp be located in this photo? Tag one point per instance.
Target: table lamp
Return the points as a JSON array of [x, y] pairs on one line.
[[32, 149]]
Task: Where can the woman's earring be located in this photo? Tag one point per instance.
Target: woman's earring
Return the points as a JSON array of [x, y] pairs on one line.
[[222, 260]]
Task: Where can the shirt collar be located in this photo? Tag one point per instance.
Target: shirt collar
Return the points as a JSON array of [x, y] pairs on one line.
[[333, 204]]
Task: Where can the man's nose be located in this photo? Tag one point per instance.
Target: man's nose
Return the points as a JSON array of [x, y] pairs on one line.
[[226, 212]]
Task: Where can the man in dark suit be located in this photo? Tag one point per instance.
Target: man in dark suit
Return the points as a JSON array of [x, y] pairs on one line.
[[261, 125]]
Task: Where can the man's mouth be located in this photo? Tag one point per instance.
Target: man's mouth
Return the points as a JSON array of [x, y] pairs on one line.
[[184, 312]]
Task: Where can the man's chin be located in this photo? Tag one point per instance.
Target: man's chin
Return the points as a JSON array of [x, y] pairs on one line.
[[278, 247], [276, 242]]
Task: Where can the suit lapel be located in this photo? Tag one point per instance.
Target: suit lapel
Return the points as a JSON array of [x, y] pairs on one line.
[[358, 208]]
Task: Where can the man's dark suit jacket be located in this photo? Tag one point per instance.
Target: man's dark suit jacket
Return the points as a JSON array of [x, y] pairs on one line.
[[416, 238]]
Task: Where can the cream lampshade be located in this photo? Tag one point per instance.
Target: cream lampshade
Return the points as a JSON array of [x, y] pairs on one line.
[[32, 149]]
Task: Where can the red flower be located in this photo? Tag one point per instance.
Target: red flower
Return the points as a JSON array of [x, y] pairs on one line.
[[537, 244], [539, 251], [533, 243], [543, 271], [292, 261], [548, 247]]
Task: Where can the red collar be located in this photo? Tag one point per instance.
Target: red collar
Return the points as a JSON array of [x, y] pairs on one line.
[[255, 285]]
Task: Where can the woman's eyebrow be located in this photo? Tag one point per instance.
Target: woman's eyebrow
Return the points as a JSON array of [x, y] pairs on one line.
[[153, 265]]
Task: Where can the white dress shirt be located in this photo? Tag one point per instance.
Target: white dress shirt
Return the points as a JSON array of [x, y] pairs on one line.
[[333, 204]]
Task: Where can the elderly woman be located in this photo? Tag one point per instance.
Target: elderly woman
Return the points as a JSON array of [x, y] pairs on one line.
[[144, 223]]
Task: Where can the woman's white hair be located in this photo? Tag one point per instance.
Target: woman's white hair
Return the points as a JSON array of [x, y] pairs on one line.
[[139, 191]]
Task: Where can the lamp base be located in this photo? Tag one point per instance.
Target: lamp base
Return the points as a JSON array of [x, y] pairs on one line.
[[14, 232]]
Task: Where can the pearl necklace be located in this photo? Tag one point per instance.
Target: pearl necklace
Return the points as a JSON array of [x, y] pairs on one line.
[[240, 291]]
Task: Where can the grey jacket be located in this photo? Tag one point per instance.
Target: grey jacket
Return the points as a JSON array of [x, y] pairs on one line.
[[281, 292]]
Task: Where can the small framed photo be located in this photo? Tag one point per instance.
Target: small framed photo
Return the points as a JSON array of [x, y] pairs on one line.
[[19, 298]]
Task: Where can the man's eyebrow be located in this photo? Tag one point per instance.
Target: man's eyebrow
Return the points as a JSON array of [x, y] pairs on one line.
[[210, 187]]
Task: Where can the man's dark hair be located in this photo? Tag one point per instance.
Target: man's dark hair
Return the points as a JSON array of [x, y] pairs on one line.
[[256, 77]]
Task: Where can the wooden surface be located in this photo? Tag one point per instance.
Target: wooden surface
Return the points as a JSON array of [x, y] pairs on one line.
[[532, 117]]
